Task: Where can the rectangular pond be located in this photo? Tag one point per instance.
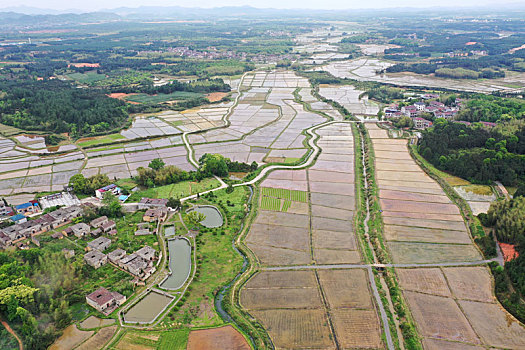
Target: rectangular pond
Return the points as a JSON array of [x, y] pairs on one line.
[[148, 308], [180, 263]]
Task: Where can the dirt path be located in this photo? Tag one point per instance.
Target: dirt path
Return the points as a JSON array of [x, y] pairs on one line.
[[10, 330]]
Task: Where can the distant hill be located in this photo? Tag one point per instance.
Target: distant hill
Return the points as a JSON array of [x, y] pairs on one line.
[[18, 21]]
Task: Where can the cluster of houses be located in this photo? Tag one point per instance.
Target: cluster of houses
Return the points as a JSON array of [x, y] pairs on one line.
[[212, 53], [431, 106], [22, 230], [139, 264]]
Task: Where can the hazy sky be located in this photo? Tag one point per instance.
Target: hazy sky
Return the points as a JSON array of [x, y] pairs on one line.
[[93, 5]]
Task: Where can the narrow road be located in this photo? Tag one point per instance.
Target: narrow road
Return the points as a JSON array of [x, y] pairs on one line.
[[10, 330]]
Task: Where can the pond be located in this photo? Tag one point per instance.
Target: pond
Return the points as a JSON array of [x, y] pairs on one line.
[[213, 216], [147, 309], [180, 263]]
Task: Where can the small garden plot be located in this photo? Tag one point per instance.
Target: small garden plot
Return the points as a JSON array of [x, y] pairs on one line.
[[424, 280], [419, 234], [357, 328], [420, 253], [410, 196], [281, 298], [70, 338], [269, 203], [297, 328], [282, 279], [286, 206], [281, 193], [441, 318], [471, 283], [428, 223], [295, 238], [273, 256], [99, 339], [421, 207], [336, 256], [333, 200], [438, 344], [425, 216], [346, 288], [225, 337]]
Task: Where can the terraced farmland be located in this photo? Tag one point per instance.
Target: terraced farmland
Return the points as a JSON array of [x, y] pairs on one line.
[[308, 308]]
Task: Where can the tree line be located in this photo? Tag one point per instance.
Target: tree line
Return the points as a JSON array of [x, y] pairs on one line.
[[478, 153]]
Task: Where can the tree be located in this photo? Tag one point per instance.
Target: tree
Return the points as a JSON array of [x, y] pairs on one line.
[[112, 206], [62, 315], [174, 203], [404, 122], [79, 183], [156, 164], [195, 218], [520, 192]]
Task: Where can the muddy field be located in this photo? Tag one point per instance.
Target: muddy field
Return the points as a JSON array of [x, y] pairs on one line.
[[440, 317], [420, 253], [346, 288], [357, 328], [297, 328], [99, 339], [223, 338]]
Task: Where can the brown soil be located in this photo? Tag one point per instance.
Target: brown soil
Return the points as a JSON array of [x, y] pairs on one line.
[[227, 338], [216, 96], [83, 65]]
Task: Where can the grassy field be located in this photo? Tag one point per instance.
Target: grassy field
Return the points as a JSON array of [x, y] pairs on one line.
[[159, 98], [483, 190], [101, 140], [86, 78], [178, 190], [7, 130], [174, 340]]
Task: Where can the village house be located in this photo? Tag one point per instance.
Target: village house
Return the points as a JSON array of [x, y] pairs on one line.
[[420, 106], [152, 203], [139, 263], [100, 244], [31, 207], [421, 123], [108, 226], [116, 255], [158, 214], [98, 222], [95, 259], [5, 209], [105, 301], [21, 230], [80, 230], [18, 218]]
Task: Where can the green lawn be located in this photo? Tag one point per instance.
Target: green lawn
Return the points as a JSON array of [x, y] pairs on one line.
[[159, 98], [178, 190], [101, 140], [86, 78]]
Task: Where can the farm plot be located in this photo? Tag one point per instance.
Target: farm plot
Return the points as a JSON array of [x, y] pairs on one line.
[[350, 98], [282, 193], [99, 339], [440, 317], [421, 253], [223, 338], [457, 304], [289, 305]]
